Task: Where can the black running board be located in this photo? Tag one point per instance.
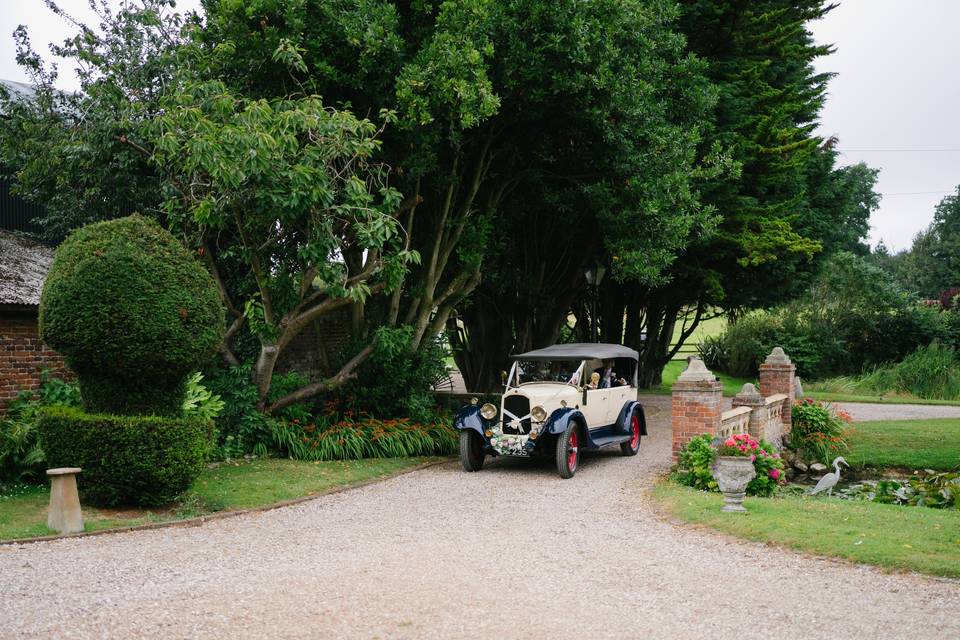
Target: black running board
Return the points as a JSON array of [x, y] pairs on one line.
[[606, 441]]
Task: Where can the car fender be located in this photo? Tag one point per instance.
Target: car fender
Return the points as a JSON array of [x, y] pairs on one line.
[[623, 420], [469, 417], [560, 419]]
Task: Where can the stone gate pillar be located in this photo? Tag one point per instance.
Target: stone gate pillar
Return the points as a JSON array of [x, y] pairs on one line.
[[776, 376], [697, 404]]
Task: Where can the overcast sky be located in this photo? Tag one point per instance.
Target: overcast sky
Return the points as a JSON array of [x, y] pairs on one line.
[[895, 103]]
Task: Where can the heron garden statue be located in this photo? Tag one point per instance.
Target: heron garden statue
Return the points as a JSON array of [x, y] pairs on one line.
[[829, 481]]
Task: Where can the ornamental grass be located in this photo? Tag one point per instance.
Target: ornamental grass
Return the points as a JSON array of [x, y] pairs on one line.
[[350, 438]]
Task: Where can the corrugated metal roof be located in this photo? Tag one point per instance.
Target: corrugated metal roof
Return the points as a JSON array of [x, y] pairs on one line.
[[17, 91], [24, 263]]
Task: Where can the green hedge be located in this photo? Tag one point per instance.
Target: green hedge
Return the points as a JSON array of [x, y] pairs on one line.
[[126, 460], [133, 312]]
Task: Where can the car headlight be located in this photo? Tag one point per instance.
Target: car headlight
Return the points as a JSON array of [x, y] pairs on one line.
[[539, 413], [488, 411]]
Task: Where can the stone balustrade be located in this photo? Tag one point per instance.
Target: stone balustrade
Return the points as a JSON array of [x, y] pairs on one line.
[[734, 421]]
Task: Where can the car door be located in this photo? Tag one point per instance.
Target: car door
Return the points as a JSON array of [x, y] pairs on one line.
[[595, 409], [617, 398]]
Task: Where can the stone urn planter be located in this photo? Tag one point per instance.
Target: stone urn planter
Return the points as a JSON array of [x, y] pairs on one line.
[[733, 474]]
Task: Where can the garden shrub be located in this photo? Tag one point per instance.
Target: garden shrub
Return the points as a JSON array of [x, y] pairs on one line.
[[198, 401], [132, 312], [393, 382], [853, 317], [696, 458], [21, 456], [126, 460], [817, 431], [241, 428], [931, 372]]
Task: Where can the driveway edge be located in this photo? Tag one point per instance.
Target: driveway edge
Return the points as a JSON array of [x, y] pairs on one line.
[[223, 515]]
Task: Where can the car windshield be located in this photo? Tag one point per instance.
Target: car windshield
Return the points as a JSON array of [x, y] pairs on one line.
[[566, 371]]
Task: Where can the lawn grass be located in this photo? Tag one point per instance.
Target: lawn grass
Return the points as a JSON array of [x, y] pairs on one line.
[[224, 487], [910, 444], [905, 538]]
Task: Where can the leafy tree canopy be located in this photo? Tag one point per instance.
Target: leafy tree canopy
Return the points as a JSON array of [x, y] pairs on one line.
[[932, 265]]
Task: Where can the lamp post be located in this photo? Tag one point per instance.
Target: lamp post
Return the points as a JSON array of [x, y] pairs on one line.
[[594, 275]]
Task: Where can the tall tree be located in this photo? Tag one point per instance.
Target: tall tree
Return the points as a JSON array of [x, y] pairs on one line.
[[786, 205], [283, 199], [780, 203], [124, 64], [932, 265], [512, 114]]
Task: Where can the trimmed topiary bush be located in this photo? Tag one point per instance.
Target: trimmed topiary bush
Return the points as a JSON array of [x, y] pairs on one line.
[[133, 313], [126, 460]]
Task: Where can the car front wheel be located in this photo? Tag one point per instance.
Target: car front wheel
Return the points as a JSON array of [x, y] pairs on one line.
[[632, 446], [471, 450], [568, 452]]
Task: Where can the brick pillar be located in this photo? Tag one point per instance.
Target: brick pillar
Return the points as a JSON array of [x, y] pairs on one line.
[[776, 376], [697, 404], [750, 397]]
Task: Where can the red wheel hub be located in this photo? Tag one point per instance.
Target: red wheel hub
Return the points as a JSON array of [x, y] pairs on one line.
[[573, 451], [635, 428]]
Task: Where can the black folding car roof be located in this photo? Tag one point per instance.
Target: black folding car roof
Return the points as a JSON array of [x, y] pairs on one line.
[[579, 351]]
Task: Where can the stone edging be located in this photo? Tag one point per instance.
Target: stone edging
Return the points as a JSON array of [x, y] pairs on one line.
[[222, 515]]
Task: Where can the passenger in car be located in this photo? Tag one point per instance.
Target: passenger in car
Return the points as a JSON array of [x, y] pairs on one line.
[[594, 380], [609, 376]]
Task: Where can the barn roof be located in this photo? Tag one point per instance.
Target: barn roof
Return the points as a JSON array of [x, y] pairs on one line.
[[24, 263], [16, 91]]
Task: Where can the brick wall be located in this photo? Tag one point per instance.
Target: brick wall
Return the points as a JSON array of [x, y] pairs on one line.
[[23, 355]]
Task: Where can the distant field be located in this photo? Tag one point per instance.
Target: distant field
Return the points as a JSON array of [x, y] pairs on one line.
[[731, 385], [711, 327]]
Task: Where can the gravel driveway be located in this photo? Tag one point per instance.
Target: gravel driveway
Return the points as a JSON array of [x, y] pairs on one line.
[[511, 552], [861, 411]]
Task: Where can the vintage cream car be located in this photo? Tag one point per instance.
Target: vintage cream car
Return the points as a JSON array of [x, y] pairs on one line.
[[558, 401]]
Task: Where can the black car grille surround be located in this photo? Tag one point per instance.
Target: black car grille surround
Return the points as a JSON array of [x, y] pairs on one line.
[[520, 407]]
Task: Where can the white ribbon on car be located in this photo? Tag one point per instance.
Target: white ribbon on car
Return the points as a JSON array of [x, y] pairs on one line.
[[515, 422]]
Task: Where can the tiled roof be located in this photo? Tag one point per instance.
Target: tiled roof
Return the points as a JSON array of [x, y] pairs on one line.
[[24, 263]]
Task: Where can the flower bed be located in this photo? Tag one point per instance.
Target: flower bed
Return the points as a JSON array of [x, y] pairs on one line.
[[817, 432], [696, 459]]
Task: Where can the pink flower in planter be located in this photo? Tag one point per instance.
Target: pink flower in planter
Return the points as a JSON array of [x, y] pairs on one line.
[[743, 447], [753, 458], [730, 442], [774, 473]]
